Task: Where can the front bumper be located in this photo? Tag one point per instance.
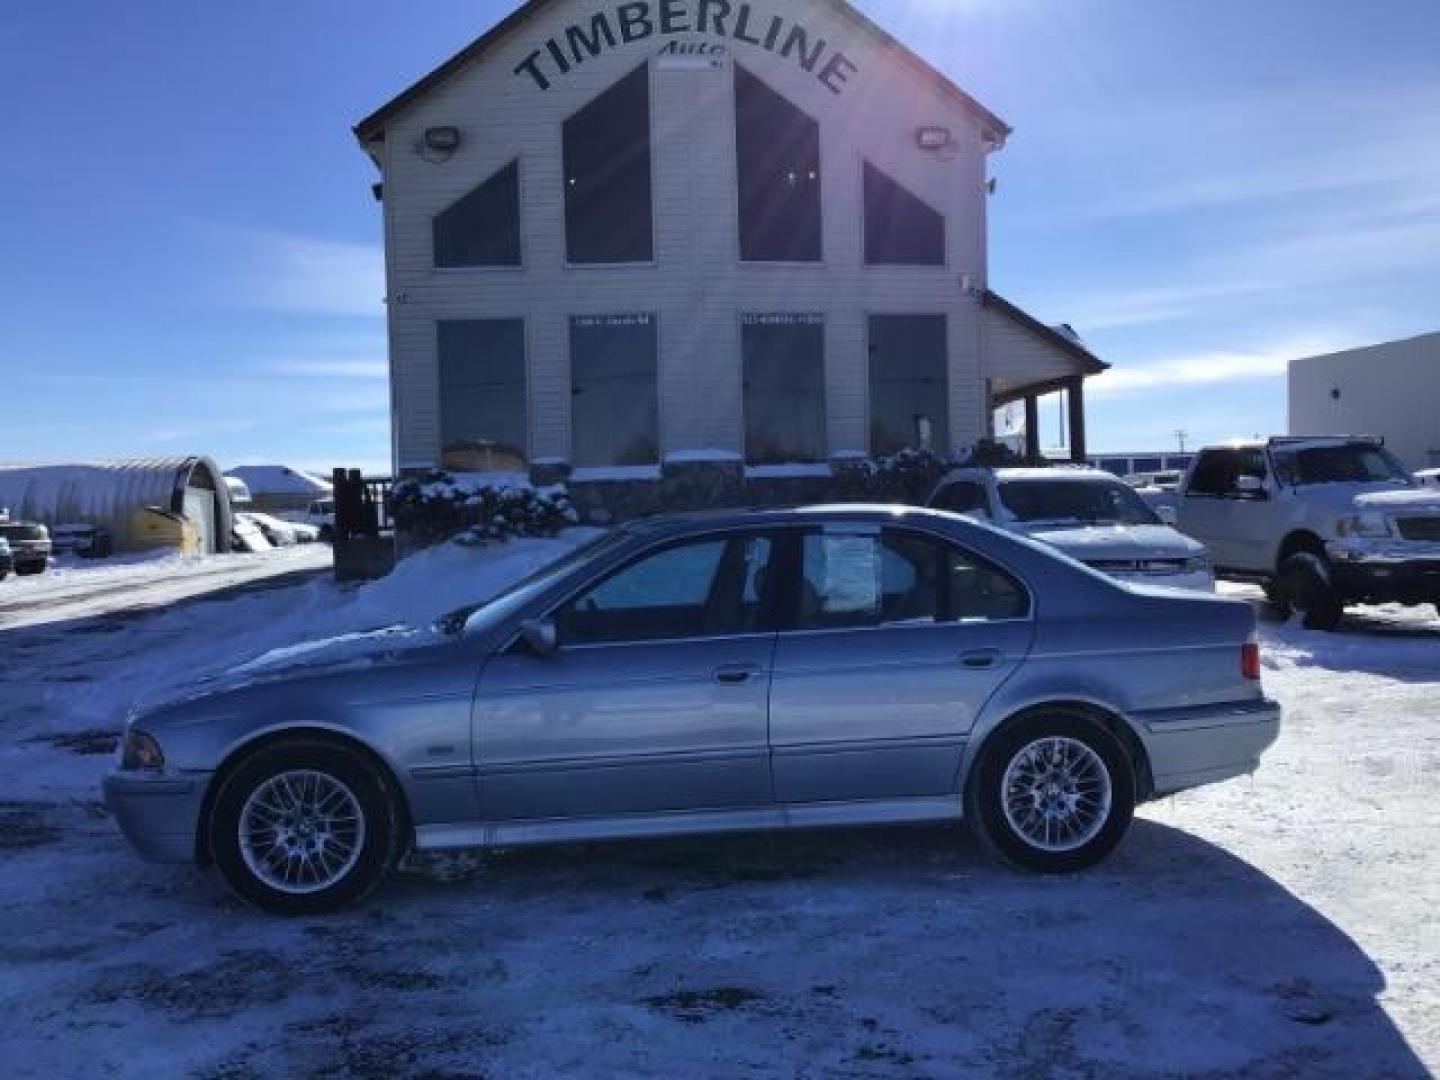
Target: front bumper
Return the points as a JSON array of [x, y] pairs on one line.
[[1204, 744], [1392, 572], [158, 814]]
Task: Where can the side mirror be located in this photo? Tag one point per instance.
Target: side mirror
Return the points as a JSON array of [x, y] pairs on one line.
[[1168, 515], [539, 636], [1251, 487]]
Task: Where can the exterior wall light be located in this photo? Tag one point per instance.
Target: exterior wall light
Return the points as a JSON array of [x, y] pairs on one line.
[[443, 140], [438, 143], [932, 138]]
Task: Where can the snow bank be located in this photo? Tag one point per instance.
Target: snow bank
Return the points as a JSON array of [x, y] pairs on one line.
[[208, 641]]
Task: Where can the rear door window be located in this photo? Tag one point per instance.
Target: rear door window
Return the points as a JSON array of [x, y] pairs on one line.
[[895, 577]]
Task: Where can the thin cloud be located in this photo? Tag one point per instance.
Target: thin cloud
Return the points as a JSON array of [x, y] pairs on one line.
[[1207, 368], [330, 369], [306, 275]]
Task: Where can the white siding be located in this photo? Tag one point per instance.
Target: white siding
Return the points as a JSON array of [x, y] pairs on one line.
[[696, 286], [1016, 356], [1391, 390]]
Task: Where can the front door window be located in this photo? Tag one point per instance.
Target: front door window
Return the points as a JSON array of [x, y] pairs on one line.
[[710, 588]]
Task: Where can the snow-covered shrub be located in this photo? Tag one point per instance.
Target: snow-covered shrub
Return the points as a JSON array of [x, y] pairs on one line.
[[905, 477], [441, 506], [909, 476]]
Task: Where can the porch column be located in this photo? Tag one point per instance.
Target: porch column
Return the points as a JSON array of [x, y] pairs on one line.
[[1075, 397], [1032, 428]]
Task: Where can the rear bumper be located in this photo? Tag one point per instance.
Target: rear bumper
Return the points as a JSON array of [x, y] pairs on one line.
[[158, 815], [1204, 744]]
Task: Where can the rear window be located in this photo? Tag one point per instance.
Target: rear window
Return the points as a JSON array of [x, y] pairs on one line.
[[1087, 502], [16, 533]]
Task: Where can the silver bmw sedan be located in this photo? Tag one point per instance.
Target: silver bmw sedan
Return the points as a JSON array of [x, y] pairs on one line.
[[775, 669]]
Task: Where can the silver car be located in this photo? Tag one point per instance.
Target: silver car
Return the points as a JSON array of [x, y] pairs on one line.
[[687, 675]]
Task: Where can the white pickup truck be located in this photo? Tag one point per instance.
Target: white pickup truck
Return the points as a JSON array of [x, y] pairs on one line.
[[1319, 522]]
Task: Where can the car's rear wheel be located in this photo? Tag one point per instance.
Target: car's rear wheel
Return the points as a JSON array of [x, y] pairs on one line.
[[304, 828], [1054, 793], [1306, 586]]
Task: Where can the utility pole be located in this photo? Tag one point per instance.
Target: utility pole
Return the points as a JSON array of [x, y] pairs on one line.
[[1181, 435]]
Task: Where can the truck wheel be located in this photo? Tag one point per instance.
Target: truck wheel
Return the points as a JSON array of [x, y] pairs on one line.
[[1306, 586], [1275, 596]]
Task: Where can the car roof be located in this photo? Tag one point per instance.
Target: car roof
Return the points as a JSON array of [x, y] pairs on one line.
[[761, 517], [1062, 472]]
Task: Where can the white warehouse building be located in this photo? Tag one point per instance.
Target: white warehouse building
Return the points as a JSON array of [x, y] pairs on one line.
[[1392, 390], [628, 241]]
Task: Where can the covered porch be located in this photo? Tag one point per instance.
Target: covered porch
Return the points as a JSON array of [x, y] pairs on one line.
[[1027, 361]]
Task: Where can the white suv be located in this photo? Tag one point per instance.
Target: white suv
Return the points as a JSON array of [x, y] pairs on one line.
[[1086, 513], [1320, 522]]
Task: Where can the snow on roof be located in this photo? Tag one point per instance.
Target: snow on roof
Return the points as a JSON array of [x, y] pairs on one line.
[[103, 492], [280, 480]]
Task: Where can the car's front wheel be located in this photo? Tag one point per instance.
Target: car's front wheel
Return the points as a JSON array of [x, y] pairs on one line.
[[1054, 793], [1307, 588], [304, 828]]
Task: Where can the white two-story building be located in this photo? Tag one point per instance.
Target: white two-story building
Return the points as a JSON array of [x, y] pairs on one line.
[[630, 240]]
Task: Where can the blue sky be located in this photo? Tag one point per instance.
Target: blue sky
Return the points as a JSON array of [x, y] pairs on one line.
[[191, 259]]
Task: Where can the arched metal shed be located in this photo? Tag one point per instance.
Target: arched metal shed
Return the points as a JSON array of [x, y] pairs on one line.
[[109, 494]]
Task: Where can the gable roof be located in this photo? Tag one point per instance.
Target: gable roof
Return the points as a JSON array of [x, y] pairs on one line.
[[372, 128], [1069, 343]]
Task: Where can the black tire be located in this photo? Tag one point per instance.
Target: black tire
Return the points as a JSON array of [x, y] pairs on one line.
[[1306, 586], [1275, 597], [985, 803], [378, 851], [29, 570]]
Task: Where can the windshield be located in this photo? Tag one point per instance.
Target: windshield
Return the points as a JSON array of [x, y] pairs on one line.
[[1344, 463], [19, 533], [1087, 501], [504, 604]]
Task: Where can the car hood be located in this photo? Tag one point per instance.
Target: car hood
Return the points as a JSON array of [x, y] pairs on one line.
[[1406, 500], [346, 655], [1087, 542]]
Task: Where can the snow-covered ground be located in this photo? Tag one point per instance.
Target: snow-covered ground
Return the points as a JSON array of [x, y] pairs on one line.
[[1284, 924], [77, 588]]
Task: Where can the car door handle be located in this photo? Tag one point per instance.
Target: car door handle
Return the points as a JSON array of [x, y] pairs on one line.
[[735, 674], [980, 659]]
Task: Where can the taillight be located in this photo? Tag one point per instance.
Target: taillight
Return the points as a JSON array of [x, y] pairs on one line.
[[1250, 661]]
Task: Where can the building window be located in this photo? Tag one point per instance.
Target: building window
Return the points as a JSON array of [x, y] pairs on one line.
[[483, 227], [482, 395], [900, 229], [784, 362], [909, 391], [778, 163], [613, 366], [607, 175]]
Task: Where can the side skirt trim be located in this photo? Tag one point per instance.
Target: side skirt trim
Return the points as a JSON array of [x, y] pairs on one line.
[[482, 834]]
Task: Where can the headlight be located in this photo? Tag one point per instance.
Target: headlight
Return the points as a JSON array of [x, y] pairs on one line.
[[140, 751], [1375, 526]]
